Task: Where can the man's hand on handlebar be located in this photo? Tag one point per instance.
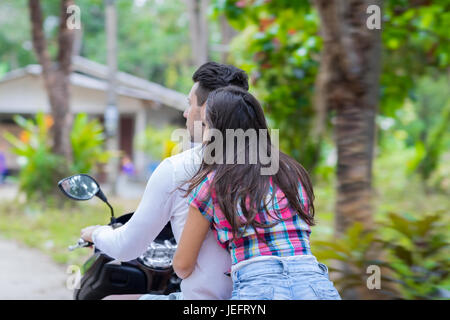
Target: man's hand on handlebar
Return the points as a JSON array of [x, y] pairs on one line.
[[86, 233]]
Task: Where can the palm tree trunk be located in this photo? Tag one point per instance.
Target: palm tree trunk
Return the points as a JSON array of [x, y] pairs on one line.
[[350, 65], [350, 69]]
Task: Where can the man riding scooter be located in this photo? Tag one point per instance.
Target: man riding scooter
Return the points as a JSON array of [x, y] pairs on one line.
[[162, 202]]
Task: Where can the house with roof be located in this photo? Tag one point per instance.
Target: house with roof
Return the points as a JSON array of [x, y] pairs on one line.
[[140, 103]]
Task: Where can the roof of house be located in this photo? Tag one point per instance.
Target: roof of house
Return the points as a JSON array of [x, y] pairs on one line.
[[89, 74]]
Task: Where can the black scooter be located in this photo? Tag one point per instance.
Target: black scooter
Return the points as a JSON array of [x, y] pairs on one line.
[[102, 275]]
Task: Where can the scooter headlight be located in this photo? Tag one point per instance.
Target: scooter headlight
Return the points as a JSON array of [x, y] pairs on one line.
[[159, 255]]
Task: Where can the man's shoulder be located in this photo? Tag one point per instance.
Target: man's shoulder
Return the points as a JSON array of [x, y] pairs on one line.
[[192, 155], [186, 163]]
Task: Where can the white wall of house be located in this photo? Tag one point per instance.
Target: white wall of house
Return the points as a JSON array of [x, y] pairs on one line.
[[28, 95], [22, 95]]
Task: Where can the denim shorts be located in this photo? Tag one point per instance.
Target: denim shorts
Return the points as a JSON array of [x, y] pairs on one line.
[[170, 296], [283, 278]]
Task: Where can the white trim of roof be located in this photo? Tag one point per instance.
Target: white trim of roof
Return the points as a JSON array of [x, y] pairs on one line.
[[160, 93], [80, 80], [33, 69], [84, 81], [93, 76]]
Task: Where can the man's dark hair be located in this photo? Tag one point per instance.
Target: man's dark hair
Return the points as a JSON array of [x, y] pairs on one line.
[[212, 75]]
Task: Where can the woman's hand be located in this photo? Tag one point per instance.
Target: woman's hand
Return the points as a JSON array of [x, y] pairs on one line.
[[86, 233]]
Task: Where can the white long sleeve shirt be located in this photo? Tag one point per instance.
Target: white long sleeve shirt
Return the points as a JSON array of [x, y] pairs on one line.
[[160, 203]]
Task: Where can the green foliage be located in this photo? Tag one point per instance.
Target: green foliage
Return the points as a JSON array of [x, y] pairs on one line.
[[419, 255], [15, 47], [279, 48], [348, 257], [424, 119], [434, 143], [87, 141], [154, 42], [413, 253], [416, 43], [42, 168]]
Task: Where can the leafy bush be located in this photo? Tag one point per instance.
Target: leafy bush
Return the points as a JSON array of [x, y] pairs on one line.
[[87, 140], [41, 168], [40, 165], [418, 254], [348, 258], [412, 253], [424, 119]]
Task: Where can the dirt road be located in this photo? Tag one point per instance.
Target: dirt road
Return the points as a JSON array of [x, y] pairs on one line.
[[29, 274]]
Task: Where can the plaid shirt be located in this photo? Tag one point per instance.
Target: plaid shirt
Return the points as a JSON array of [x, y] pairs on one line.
[[287, 238]]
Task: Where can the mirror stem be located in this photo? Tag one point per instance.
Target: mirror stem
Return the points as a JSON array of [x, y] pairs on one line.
[[112, 212], [102, 196]]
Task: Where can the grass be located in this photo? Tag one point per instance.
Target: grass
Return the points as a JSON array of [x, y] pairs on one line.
[[52, 230]]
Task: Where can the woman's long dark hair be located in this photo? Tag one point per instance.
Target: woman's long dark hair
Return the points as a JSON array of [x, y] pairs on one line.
[[242, 184]]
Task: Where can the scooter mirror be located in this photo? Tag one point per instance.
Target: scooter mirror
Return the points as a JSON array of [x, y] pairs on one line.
[[79, 187]]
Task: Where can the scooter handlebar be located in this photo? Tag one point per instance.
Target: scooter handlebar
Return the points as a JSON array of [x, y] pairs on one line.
[[80, 244]]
